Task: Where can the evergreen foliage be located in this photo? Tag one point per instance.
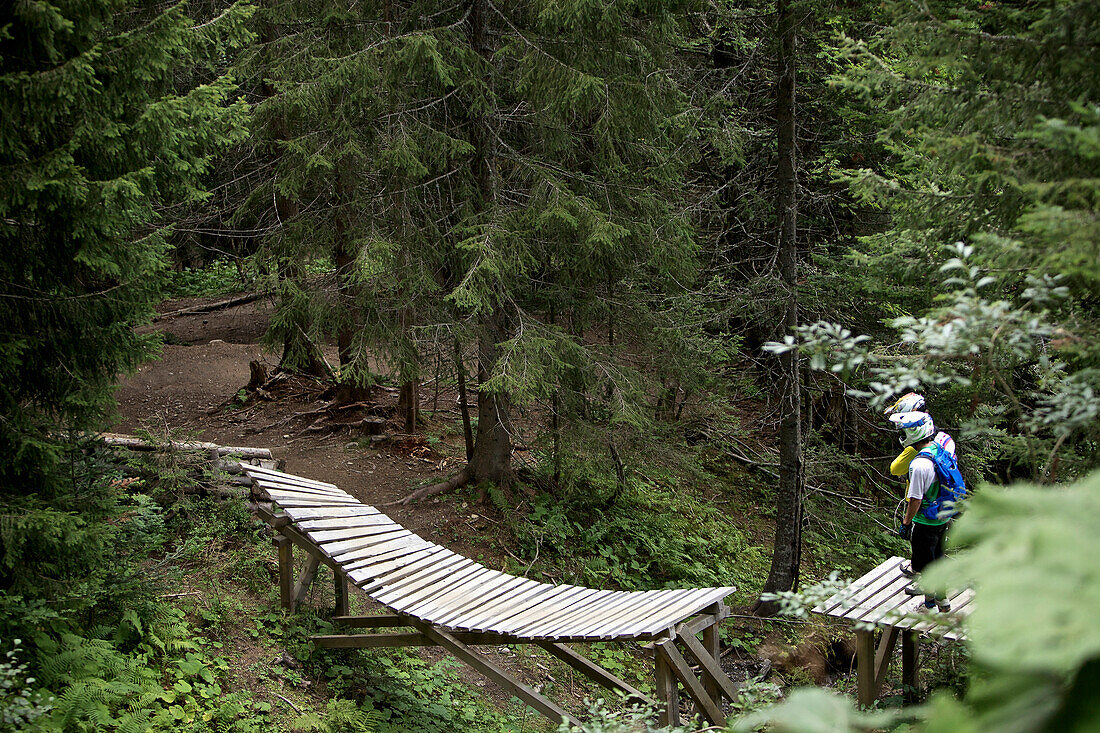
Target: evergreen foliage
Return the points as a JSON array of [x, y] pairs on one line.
[[991, 134], [109, 113]]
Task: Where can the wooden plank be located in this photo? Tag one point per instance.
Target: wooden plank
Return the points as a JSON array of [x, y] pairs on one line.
[[494, 613], [296, 501], [668, 694], [858, 594], [375, 550], [455, 604], [434, 570], [406, 638], [886, 593], [828, 606], [694, 688], [560, 613], [305, 579], [379, 554], [865, 667], [406, 567], [267, 484], [566, 613], [498, 675], [332, 512], [707, 619], [259, 471], [389, 562], [286, 569], [647, 609], [517, 588], [385, 562], [372, 641], [420, 603], [321, 536], [341, 548], [593, 671], [712, 646], [708, 663], [366, 518], [597, 612], [379, 621], [679, 611], [462, 614], [547, 611], [648, 613]]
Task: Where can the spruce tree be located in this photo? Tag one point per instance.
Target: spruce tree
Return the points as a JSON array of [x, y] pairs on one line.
[[482, 166], [991, 132], [109, 113]]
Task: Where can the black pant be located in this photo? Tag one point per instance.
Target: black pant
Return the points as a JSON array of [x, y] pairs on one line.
[[926, 543]]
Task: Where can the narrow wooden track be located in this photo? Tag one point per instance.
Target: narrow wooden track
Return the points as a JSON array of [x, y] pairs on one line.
[[878, 600], [454, 602]]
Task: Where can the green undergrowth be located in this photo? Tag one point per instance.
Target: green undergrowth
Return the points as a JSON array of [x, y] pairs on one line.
[[178, 628]]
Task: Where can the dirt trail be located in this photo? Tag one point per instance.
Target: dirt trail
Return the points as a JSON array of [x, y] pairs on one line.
[[189, 390]]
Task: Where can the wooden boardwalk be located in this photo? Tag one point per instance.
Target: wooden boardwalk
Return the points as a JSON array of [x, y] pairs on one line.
[[878, 601], [451, 601]]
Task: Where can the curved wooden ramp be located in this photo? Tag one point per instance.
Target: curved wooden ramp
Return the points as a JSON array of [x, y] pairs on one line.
[[451, 601], [878, 599]]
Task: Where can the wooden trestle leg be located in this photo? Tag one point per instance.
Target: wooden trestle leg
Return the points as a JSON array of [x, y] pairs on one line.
[[668, 694], [286, 571], [909, 659], [341, 580]]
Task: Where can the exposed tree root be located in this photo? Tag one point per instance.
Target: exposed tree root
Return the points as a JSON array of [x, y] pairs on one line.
[[462, 478]]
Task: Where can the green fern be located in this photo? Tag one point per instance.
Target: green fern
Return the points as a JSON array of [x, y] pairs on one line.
[[341, 716]]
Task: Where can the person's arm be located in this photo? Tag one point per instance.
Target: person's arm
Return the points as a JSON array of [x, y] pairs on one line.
[[911, 510], [900, 466]]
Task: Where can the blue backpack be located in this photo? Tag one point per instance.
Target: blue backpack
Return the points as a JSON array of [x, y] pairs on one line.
[[952, 486]]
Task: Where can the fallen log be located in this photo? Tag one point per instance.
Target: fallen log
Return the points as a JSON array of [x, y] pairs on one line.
[[196, 310], [134, 443]]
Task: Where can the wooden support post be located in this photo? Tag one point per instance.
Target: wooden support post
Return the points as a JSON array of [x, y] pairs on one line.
[[286, 571], [680, 668], [591, 670], [342, 602], [305, 579], [882, 656], [865, 667], [910, 655], [467, 655], [713, 674], [712, 647], [668, 694]]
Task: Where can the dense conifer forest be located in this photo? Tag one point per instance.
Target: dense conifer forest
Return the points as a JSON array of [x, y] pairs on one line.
[[611, 294]]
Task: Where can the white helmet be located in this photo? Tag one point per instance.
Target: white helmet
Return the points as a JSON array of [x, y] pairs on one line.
[[910, 402], [915, 427]]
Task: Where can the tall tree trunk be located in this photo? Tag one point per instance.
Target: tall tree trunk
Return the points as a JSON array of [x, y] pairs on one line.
[[787, 553], [295, 338], [463, 403], [491, 461], [349, 390]]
